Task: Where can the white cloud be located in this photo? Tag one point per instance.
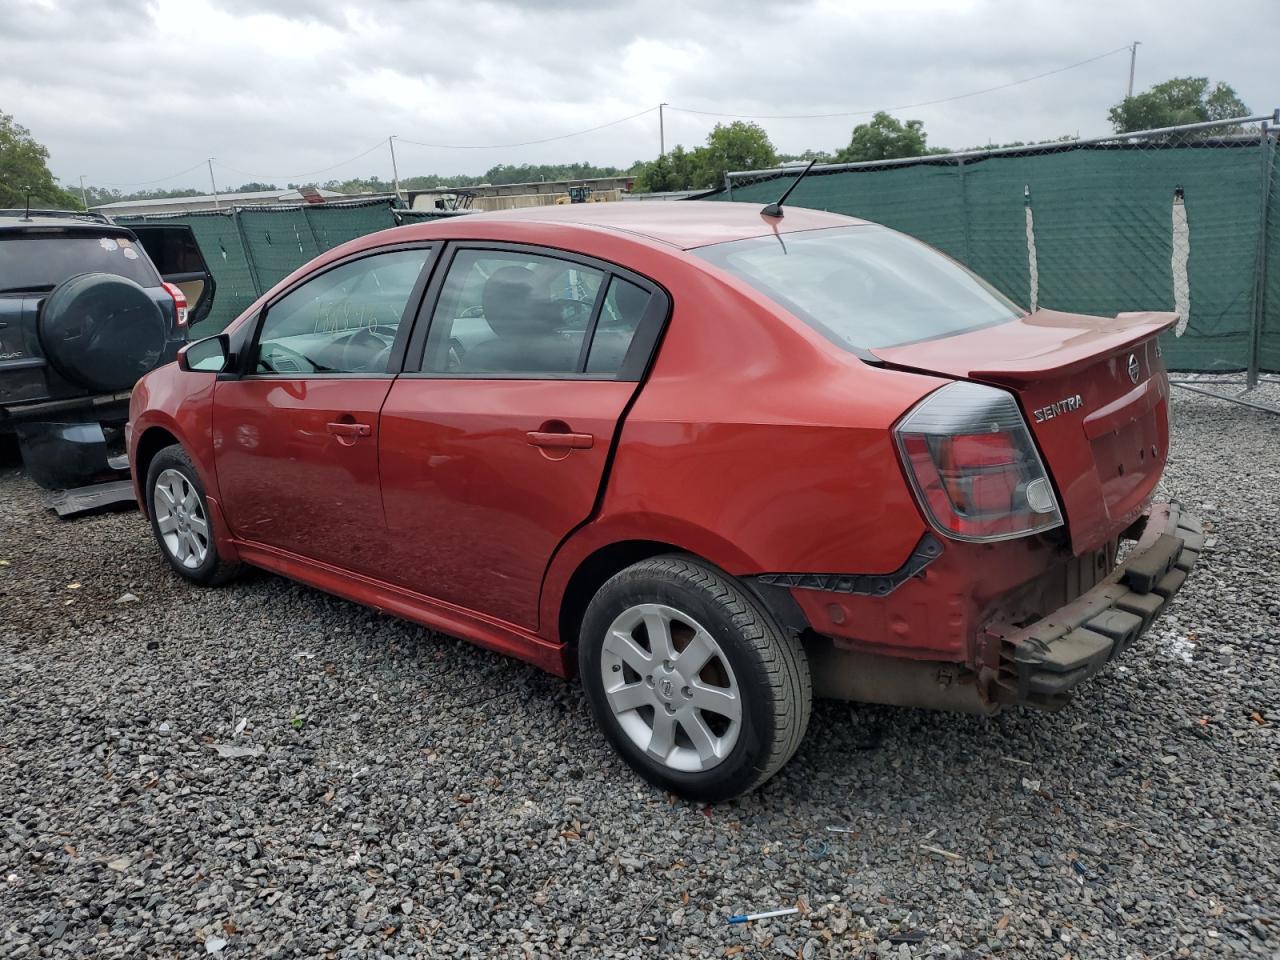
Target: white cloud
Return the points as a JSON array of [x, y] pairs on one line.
[[133, 90]]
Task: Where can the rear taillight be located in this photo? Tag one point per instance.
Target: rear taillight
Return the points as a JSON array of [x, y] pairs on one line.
[[179, 302], [974, 466]]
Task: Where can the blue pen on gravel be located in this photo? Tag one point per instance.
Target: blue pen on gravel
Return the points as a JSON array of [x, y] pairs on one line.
[[748, 917]]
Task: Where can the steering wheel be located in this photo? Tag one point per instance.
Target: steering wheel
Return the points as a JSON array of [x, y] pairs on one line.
[[294, 362], [363, 350], [574, 313]]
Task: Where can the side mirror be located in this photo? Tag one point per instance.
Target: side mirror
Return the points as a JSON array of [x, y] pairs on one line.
[[210, 355]]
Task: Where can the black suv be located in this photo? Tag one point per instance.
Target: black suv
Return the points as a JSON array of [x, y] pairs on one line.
[[83, 314]]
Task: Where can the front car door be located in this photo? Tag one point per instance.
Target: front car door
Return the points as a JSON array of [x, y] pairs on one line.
[[494, 445], [296, 435]]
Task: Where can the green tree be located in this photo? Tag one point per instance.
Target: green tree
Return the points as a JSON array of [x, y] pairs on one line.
[[735, 146], [884, 137], [1176, 102], [670, 172], [821, 156], [24, 171]]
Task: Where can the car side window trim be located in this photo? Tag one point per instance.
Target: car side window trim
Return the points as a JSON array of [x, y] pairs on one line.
[[248, 357], [639, 354], [589, 334]]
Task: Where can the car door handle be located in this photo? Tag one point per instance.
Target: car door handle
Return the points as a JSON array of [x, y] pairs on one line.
[[572, 441], [350, 431]]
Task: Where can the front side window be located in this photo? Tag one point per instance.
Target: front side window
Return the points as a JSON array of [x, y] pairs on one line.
[[344, 320], [512, 314], [864, 286]]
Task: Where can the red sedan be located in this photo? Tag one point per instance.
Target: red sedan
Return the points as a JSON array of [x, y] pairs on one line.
[[716, 460]]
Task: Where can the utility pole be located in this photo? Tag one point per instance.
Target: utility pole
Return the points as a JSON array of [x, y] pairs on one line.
[[83, 197], [213, 184], [1133, 62], [395, 174], [662, 132]]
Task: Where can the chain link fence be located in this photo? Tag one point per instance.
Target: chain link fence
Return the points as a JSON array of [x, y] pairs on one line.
[[1183, 219], [250, 249]]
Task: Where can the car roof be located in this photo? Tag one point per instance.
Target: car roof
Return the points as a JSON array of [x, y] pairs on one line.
[[684, 223], [57, 221]]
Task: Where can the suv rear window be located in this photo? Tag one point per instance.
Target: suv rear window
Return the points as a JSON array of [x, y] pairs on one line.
[[35, 261], [864, 286]]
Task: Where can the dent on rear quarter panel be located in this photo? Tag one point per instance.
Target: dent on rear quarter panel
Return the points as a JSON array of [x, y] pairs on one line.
[[756, 430]]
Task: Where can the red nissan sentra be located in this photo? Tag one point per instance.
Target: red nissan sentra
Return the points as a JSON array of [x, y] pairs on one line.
[[717, 460]]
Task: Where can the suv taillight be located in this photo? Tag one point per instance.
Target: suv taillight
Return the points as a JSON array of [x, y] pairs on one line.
[[179, 302], [974, 466]]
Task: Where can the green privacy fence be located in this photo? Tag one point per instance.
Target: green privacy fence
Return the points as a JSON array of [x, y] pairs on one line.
[[1184, 220], [250, 249]]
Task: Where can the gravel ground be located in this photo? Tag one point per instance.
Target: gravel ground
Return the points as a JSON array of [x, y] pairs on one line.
[[404, 794]]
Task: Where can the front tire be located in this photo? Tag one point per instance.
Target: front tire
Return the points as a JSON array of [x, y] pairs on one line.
[[691, 681], [179, 512]]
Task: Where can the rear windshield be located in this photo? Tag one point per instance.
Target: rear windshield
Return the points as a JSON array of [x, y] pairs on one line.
[[41, 262], [864, 286]]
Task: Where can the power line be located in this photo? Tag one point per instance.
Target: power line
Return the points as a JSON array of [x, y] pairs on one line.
[[302, 176], [142, 183], [904, 106], [525, 143]]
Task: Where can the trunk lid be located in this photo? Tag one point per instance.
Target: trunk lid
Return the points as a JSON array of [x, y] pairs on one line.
[[1094, 393]]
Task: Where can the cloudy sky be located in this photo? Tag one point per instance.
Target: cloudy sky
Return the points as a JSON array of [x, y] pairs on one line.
[[135, 93]]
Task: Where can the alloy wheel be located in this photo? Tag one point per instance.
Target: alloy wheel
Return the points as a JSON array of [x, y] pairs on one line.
[[181, 519], [670, 687]]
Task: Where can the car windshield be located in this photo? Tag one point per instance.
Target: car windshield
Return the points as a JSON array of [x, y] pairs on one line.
[[42, 261], [864, 286]]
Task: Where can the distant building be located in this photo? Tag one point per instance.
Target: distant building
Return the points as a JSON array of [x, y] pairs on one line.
[[224, 201], [670, 194], [509, 196]]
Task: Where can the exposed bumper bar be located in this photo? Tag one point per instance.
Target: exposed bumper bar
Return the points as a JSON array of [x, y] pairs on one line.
[[1041, 664]]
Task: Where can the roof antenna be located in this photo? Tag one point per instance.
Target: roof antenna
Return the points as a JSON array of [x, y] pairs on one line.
[[775, 209]]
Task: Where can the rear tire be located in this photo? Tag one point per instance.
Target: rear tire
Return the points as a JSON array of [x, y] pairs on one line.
[[179, 512], [691, 681]]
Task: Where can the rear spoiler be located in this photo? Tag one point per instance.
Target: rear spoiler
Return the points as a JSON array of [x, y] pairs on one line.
[[1046, 343]]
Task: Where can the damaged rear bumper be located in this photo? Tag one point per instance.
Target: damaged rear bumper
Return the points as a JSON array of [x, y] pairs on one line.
[[1040, 664]]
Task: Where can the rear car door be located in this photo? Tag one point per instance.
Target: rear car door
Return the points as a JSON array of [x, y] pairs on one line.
[[494, 442], [173, 249], [296, 434]]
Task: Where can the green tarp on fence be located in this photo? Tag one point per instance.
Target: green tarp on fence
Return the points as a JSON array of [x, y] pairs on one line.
[[1104, 234], [249, 250]]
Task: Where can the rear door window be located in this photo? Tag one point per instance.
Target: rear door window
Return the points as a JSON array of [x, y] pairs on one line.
[[512, 314], [32, 261], [864, 286]]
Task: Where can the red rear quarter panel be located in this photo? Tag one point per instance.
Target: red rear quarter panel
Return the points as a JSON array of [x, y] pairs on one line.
[[755, 444]]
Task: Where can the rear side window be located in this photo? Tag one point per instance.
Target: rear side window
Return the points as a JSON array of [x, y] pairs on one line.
[[30, 261], [864, 286], [620, 315]]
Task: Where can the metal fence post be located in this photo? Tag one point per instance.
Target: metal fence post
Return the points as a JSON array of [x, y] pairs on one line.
[[306, 216], [1260, 267], [728, 185], [964, 212], [248, 253]]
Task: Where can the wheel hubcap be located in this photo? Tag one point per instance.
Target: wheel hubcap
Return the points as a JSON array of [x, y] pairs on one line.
[[181, 520], [671, 687]]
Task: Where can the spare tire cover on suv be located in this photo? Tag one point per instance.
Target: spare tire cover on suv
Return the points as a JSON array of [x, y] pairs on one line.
[[102, 331]]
